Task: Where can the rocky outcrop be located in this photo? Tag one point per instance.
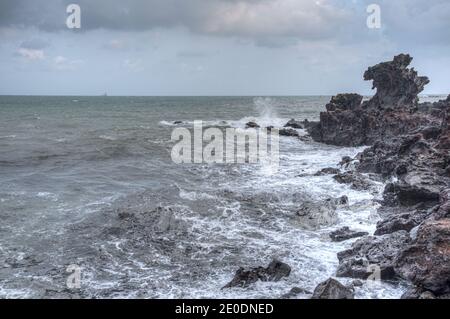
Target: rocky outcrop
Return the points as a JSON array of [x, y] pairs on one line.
[[426, 262], [288, 132], [397, 86], [332, 289], [356, 180], [245, 277], [372, 256], [345, 233], [348, 122], [402, 221], [294, 124]]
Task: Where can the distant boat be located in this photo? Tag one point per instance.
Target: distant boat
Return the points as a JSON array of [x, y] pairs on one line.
[[105, 94]]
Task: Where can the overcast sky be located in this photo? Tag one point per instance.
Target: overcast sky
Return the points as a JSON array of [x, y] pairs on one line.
[[216, 47]]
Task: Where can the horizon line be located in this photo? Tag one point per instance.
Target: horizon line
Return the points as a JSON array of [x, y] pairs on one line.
[[246, 95]]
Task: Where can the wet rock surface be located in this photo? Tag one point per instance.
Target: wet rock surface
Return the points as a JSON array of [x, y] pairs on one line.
[[252, 125], [372, 256], [408, 148], [333, 289], [356, 180], [245, 277], [426, 262], [288, 132], [294, 124]]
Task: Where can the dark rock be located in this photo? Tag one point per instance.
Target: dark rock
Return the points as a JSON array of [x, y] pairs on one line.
[[269, 128], [252, 125], [345, 233], [289, 132], [397, 86], [332, 289], [416, 190], [418, 293], [426, 262], [356, 180], [444, 205], [245, 277], [294, 124], [178, 122], [403, 221], [347, 122], [371, 253], [344, 102]]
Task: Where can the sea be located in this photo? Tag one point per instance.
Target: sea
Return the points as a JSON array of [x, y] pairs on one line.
[[74, 172]]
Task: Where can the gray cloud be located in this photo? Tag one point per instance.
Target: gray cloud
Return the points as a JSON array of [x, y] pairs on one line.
[[272, 23], [246, 18]]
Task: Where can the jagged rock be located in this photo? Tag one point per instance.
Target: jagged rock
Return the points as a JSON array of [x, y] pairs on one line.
[[444, 138], [252, 125], [444, 205], [245, 277], [316, 214], [332, 289], [397, 86], [426, 262], [327, 171], [402, 221], [294, 124], [345, 233], [415, 189], [289, 132], [344, 102], [357, 181], [370, 254], [347, 122]]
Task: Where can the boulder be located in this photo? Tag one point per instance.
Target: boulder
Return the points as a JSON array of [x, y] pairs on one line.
[[372, 254], [402, 221], [252, 125], [288, 132], [245, 277], [294, 124], [426, 262], [345, 233], [356, 180], [332, 289]]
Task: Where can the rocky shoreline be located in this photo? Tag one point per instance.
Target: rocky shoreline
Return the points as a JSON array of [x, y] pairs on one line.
[[409, 148]]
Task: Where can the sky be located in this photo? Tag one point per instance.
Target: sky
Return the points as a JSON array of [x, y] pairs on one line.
[[216, 47]]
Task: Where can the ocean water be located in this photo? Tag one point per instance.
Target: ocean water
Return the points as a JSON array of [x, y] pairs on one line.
[[69, 166]]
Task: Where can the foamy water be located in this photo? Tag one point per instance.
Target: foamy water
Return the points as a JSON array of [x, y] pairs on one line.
[[69, 171]]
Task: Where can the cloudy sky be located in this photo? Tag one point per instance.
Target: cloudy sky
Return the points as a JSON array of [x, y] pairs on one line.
[[216, 47]]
